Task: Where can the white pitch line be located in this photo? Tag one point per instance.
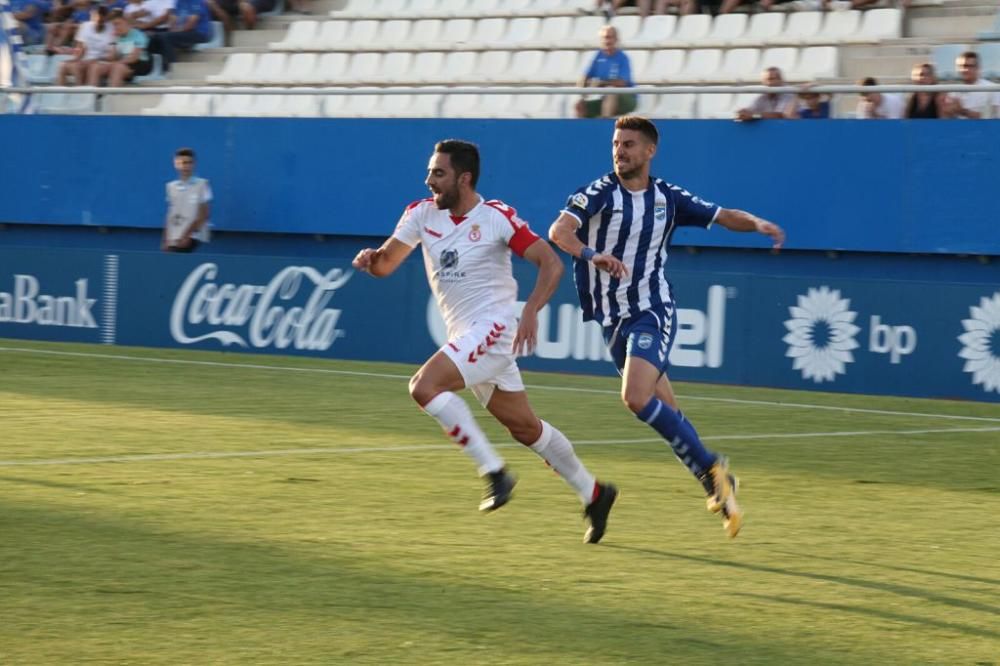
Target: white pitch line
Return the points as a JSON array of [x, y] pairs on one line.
[[536, 387], [206, 455]]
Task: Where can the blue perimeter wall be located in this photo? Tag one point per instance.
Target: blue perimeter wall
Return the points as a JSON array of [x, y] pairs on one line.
[[295, 199]]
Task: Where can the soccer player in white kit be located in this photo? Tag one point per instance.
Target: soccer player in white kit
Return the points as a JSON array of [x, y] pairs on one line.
[[467, 242]]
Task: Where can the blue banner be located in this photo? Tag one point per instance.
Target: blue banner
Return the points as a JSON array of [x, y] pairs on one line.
[[858, 334], [888, 186]]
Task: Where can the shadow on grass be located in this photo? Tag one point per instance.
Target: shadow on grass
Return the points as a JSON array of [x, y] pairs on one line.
[[892, 588], [891, 567]]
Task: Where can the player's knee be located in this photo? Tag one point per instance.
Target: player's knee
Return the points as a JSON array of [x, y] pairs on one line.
[[635, 399], [421, 390], [526, 432]]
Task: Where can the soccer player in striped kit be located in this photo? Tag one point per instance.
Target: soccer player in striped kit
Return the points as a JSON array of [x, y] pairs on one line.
[[617, 229], [467, 242]]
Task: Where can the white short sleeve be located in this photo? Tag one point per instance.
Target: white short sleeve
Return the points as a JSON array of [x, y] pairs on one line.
[[408, 228]]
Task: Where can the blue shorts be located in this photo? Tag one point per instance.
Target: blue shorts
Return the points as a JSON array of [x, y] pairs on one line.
[[649, 336]]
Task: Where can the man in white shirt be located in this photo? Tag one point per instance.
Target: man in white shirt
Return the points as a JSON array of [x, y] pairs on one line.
[[467, 243], [879, 105], [188, 200], [973, 104]]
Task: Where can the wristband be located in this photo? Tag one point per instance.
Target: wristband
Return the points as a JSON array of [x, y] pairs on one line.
[[587, 254]]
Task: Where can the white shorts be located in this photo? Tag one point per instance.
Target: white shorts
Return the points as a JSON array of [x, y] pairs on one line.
[[485, 357]]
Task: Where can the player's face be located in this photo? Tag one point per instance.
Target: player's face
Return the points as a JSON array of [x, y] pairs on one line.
[[184, 166], [631, 152], [442, 181]]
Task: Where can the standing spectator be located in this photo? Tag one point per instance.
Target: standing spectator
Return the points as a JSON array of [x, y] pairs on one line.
[[926, 104], [879, 105], [129, 57], [769, 105], [188, 200], [973, 104], [191, 25], [809, 106], [30, 16], [93, 42], [610, 68]]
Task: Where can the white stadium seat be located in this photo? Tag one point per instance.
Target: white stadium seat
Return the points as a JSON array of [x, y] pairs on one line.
[[664, 66], [360, 106], [331, 69], [180, 104], [331, 35], [301, 106], [300, 36], [701, 64], [362, 68], [554, 32], [522, 64], [477, 8], [489, 31], [392, 34], [800, 28], [537, 106], [428, 33], [739, 66], [838, 27], [301, 68], [492, 65], [360, 35], [333, 104], [514, 8], [268, 105], [716, 105], [586, 32], [497, 106], [557, 67], [237, 67], [816, 62], [234, 105], [692, 30], [655, 33], [784, 58], [395, 67], [460, 106], [270, 68], [377, 9], [668, 106], [628, 26], [878, 25], [726, 29], [461, 67], [762, 29], [519, 32], [428, 67], [637, 62]]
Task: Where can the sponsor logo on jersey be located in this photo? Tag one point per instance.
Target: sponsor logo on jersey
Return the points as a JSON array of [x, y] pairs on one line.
[[449, 258], [580, 200], [432, 232]]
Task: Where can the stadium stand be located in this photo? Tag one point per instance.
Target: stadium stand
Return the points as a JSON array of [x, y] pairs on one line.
[[549, 42]]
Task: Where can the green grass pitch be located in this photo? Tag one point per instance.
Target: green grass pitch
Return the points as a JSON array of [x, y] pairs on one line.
[[177, 508]]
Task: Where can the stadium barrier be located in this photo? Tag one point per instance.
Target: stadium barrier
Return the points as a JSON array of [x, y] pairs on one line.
[[761, 322]]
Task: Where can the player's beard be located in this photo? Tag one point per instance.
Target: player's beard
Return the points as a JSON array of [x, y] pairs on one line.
[[446, 199]]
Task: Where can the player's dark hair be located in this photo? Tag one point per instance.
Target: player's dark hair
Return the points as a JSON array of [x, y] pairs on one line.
[[184, 152], [464, 157], [641, 125]]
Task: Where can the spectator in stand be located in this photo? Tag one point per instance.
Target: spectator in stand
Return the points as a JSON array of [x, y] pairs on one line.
[[30, 16], [60, 32], [879, 105], [134, 10], [93, 42], [228, 11], [855, 4], [729, 6], [188, 201], [191, 25], [129, 57], [973, 104], [645, 7], [809, 106], [769, 105], [927, 104], [155, 15], [610, 68]]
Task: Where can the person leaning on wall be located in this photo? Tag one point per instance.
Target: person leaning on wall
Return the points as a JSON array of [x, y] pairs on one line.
[[188, 201]]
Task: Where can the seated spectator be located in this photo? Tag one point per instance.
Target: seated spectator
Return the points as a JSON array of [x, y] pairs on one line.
[[855, 4], [129, 57], [191, 24], [769, 105], [729, 6], [610, 68], [155, 15], [134, 10], [228, 10], [30, 16], [61, 32], [972, 104], [93, 42], [809, 105], [879, 105], [926, 104], [645, 7]]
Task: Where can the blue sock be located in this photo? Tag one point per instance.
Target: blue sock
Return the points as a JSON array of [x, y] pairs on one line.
[[680, 434]]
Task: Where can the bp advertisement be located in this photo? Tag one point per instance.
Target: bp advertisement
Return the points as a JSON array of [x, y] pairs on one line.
[[859, 335]]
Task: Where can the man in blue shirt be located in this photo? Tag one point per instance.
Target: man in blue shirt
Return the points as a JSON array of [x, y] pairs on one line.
[[618, 229], [610, 68]]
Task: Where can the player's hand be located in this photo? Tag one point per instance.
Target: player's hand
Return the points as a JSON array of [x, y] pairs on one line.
[[363, 260], [610, 264], [773, 231], [527, 333]]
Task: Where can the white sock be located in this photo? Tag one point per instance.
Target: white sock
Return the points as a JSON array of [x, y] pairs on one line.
[[454, 416], [558, 452]]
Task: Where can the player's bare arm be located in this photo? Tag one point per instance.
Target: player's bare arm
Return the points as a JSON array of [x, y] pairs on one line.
[[384, 260], [563, 234], [740, 220], [550, 270]]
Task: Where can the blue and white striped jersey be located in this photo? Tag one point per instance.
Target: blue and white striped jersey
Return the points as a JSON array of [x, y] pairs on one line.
[[636, 228]]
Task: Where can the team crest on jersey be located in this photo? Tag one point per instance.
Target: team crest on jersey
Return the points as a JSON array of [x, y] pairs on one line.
[[660, 213], [475, 234], [645, 341], [449, 258], [580, 200]]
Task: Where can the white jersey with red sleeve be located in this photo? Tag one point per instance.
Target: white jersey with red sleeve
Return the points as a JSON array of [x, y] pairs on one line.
[[468, 258]]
